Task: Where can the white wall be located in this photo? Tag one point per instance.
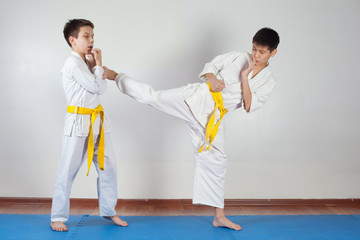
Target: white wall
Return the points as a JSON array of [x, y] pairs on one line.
[[303, 144]]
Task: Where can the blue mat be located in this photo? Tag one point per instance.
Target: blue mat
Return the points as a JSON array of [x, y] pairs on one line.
[[347, 227]]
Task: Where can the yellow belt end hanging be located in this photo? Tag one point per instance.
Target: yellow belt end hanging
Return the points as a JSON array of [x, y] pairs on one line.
[[211, 129], [101, 149], [201, 148]]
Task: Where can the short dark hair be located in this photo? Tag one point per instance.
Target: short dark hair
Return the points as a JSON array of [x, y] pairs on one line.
[[267, 37], [72, 28]]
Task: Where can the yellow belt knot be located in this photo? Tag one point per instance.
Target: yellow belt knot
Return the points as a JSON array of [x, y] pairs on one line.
[[211, 129], [101, 149]]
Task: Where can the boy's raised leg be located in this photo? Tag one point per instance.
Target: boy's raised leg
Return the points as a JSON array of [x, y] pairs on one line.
[[220, 220]]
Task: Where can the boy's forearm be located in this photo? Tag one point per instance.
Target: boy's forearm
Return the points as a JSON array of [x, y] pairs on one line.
[[216, 85], [246, 93], [109, 74], [99, 62], [97, 56], [210, 77]]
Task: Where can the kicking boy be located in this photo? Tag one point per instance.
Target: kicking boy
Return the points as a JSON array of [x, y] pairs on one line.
[[85, 123], [234, 80]]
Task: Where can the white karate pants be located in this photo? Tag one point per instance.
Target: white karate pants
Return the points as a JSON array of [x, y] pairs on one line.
[[210, 166], [73, 155]]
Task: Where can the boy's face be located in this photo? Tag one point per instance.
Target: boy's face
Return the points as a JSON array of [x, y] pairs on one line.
[[84, 43], [262, 54]]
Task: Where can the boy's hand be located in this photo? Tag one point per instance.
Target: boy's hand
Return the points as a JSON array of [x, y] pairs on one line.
[[97, 56], [245, 72], [109, 74], [91, 59], [216, 85]]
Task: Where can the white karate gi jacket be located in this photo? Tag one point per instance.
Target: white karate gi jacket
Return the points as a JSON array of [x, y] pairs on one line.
[[82, 87], [227, 67]]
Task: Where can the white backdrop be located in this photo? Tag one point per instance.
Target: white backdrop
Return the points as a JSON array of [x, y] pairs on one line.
[[304, 143]]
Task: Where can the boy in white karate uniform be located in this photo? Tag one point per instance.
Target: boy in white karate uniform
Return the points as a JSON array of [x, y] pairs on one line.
[[85, 124], [234, 80]]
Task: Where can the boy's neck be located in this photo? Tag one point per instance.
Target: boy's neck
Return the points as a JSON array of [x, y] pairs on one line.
[[261, 67], [258, 69], [82, 55]]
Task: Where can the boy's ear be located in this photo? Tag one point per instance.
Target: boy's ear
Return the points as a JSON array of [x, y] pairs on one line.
[[273, 52], [72, 41]]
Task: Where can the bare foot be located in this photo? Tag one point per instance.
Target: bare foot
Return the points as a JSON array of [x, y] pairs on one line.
[[224, 222], [117, 221], [59, 227]]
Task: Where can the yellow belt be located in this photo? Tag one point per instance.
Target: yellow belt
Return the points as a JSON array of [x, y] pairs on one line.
[[101, 149], [211, 129]]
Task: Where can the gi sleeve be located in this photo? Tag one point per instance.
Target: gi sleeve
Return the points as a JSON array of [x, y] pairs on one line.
[[261, 95], [92, 82], [218, 64]]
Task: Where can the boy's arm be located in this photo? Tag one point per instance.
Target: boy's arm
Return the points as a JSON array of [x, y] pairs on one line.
[[98, 57], [260, 96], [215, 66], [216, 85], [245, 87], [92, 82], [254, 99]]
